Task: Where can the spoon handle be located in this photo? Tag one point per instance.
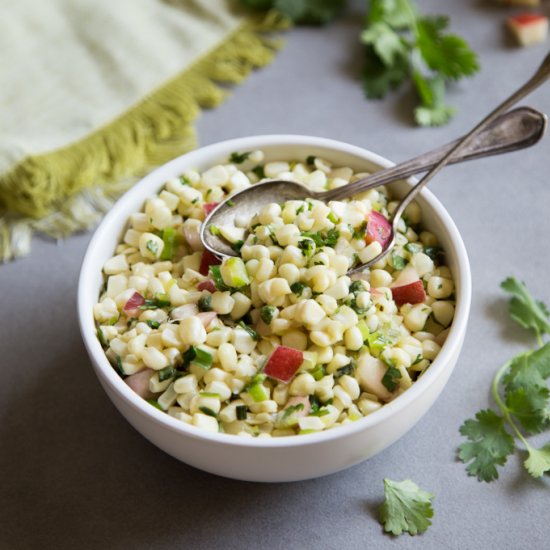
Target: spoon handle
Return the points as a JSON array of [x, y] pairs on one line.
[[519, 128]]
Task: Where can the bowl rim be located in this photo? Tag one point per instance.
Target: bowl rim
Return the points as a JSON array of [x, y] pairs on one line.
[[156, 178]]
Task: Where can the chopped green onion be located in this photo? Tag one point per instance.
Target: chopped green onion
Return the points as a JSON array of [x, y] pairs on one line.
[[310, 160], [169, 238], [239, 158], [234, 273], [253, 334], [209, 394], [364, 329], [230, 203], [318, 372], [118, 365], [359, 232], [101, 338], [377, 342], [258, 392], [333, 218], [259, 171], [286, 417], [267, 313], [237, 246], [166, 373], [330, 239], [413, 248], [307, 246], [198, 357], [152, 247], [346, 369], [152, 324], [436, 253], [215, 230], [161, 300], [240, 410], [398, 262], [356, 286], [205, 302], [218, 279], [208, 411], [298, 288], [184, 180], [390, 378], [155, 404]]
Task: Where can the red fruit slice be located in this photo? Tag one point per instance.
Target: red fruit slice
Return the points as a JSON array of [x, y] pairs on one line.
[[207, 260], [207, 285], [209, 206], [283, 363], [408, 288], [378, 229], [131, 307], [139, 382], [528, 28]]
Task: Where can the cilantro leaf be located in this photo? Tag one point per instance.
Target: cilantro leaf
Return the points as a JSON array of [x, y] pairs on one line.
[[378, 79], [391, 378], [396, 12], [239, 158], [538, 460], [525, 389], [489, 445], [387, 44], [400, 43], [406, 508], [524, 309], [449, 54]]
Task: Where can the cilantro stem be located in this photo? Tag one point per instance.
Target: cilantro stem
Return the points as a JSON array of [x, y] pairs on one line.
[[502, 406]]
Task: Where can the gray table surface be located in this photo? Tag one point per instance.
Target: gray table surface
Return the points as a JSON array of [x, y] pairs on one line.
[[74, 474]]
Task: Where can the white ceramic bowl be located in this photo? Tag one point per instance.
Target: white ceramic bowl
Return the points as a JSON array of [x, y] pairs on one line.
[[287, 458]]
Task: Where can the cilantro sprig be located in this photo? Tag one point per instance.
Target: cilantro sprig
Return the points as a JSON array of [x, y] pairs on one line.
[[401, 44], [406, 508], [521, 395]]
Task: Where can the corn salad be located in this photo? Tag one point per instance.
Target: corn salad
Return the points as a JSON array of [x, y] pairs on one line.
[[278, 340]]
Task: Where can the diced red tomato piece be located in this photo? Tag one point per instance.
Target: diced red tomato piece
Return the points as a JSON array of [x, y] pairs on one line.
[[207, 260], [209, 206], [283, 363], [207, 285], [131, 307], [378, 229]]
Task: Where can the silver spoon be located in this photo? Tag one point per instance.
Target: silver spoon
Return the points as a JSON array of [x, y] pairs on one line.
[[541, 75], [514, 130]]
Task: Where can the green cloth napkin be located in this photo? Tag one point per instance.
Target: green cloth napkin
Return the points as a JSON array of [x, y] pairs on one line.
[[94, 92]]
